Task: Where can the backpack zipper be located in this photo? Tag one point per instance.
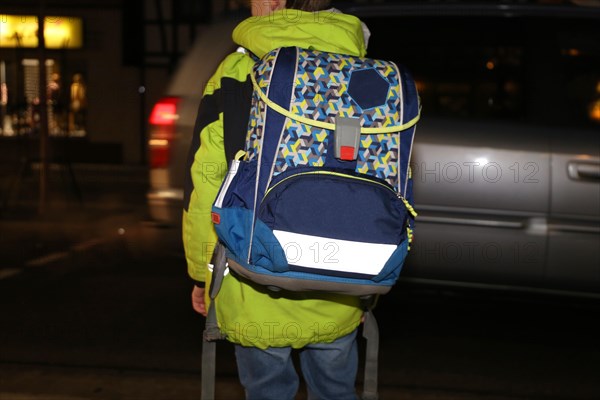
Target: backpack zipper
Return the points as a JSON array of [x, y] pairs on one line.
[[333, 174], [338, 174]]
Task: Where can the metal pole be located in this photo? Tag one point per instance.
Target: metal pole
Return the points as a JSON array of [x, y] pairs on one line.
[[142, 89], [143, 130], [43, 104]]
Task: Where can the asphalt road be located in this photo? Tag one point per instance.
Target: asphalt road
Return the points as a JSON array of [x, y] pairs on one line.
[[96, 306]]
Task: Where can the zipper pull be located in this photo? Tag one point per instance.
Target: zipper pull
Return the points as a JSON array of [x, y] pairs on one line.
[[410, 208]]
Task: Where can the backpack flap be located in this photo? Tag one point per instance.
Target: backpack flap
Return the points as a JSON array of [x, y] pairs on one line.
[[317, 90]]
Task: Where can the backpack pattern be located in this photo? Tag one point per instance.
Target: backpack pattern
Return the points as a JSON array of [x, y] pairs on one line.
[[322, 88], [315, 95], [255, 127], [378, 156], [301, 145]]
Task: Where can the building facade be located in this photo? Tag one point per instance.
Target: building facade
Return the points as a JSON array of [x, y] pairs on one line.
[[105, 64]]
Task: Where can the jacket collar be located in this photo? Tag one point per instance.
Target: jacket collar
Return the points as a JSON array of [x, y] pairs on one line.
[[325, 31]]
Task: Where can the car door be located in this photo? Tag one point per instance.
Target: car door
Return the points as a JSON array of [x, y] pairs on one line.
[[574, 229], [482, 196]]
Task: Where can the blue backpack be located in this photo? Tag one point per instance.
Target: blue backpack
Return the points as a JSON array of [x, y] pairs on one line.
[[321, 198]]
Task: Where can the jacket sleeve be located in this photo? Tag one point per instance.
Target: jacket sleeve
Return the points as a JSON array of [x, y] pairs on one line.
[[206, 167]]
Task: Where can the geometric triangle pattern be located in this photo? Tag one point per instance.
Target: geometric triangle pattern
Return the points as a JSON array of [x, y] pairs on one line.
[[255, 127], [378, 156], [301, 145], [258, 108], [321, 93], [321, 89]]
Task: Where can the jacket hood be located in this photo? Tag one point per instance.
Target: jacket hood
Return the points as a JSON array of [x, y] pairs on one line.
[[324, 31]]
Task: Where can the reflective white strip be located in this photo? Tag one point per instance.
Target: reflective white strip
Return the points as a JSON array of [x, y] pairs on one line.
[[233, 169], [334, 254]]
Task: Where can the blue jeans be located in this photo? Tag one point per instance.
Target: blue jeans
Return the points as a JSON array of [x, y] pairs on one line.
[[329, 370]]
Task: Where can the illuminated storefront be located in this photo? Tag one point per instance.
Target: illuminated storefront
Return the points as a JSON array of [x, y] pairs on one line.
[[59, 32], [19, 76], [105, 63]]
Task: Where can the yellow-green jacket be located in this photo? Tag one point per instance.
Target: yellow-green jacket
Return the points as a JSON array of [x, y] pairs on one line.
[[249, 314]]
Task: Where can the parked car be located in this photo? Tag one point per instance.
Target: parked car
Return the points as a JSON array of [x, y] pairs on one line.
[[506, 162]]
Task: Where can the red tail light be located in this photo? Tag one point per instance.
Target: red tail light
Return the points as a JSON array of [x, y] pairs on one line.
[[162, 130], [165, 112]]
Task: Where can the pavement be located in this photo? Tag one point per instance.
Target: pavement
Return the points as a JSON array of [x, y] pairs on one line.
[[89, 208], [84, 202], [72, 190]]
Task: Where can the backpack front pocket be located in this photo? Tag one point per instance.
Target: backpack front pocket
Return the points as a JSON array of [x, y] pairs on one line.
[[336, 224]]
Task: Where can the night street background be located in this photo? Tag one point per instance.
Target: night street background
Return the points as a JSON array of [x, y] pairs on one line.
[[94, 293]]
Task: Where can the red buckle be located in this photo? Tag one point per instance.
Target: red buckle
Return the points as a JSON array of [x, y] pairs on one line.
[[347, 153], [215, 218]]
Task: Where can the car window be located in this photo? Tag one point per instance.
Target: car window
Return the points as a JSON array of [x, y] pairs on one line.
[[541, 70]]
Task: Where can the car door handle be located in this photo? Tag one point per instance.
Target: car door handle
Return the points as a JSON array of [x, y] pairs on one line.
[[583, 170]]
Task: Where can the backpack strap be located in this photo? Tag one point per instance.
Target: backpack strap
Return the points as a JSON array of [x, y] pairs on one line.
[[211, 329], [371, 334], [236, 97], [235, 101], [209, 355]]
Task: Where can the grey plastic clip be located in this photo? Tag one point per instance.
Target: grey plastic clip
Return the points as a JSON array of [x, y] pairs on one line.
[[219, 262], [347, 138]]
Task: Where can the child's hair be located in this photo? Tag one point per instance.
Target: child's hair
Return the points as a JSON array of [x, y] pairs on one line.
[[308, 5]]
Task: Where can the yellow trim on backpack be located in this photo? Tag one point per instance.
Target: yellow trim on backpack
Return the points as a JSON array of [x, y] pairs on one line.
[[239, 155], [321, 172], [410, 208], [409, 233], [327, 125]]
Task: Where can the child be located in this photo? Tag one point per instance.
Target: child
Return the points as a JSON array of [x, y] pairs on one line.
[[265, 328]]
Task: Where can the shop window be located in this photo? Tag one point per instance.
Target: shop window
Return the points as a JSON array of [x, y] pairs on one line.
[[20, 104]]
